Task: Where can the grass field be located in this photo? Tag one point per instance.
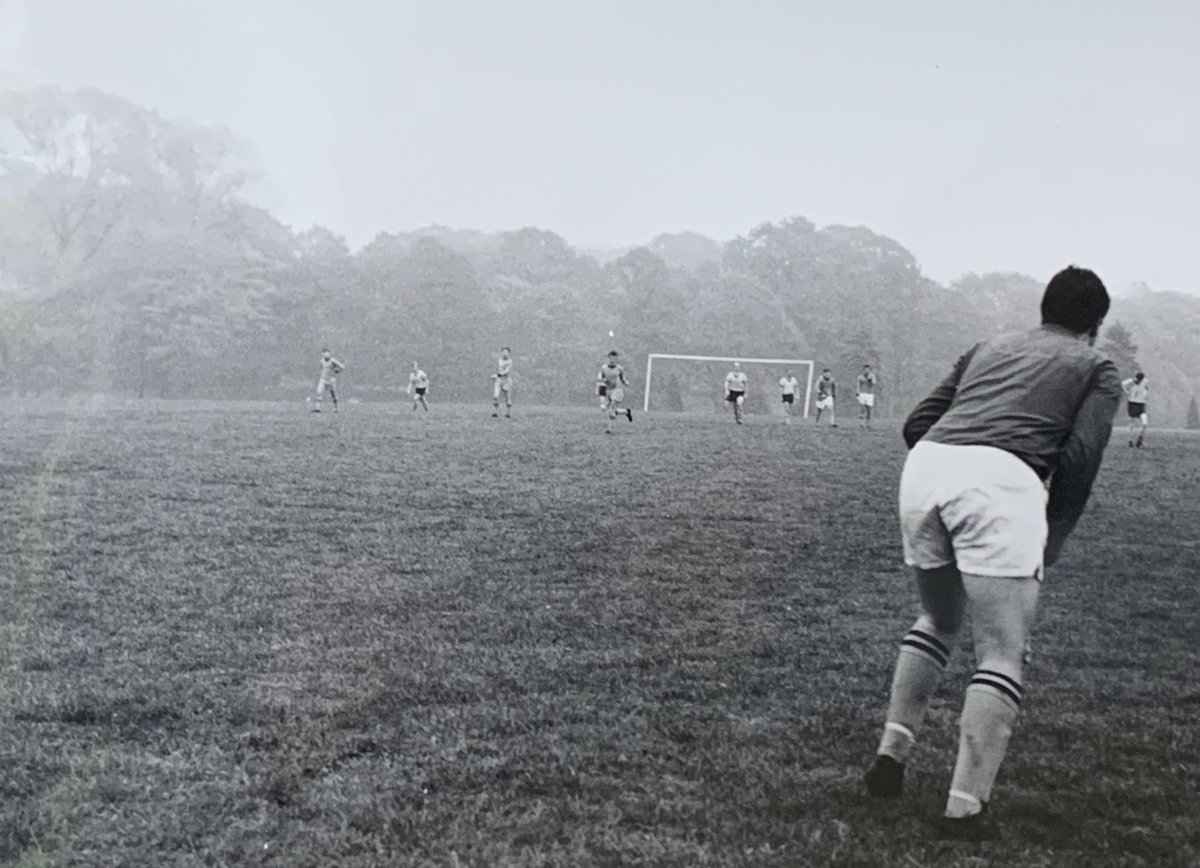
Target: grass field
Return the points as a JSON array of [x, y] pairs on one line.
[[243, 634]]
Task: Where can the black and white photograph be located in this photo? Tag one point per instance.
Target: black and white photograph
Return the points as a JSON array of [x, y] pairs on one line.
[[564, 434]]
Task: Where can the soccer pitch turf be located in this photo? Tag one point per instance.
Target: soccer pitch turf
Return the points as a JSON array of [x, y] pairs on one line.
[[244, 634]]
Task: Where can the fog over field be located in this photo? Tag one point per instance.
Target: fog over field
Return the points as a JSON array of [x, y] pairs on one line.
[[1006, 139], [195, 197]]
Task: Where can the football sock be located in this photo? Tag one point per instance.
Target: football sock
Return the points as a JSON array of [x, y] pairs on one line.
[[989, 711], [924, 653]]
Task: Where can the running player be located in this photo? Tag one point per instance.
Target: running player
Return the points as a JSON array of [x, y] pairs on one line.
[[864, 388], [978, 525], [502, 384], [1137, 390], [418, 385], [735, 390], [826, 394], [330, 368], [612, 380]]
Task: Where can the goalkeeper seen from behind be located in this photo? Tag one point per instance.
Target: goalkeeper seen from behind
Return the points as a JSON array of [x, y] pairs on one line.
[[1017, 413]]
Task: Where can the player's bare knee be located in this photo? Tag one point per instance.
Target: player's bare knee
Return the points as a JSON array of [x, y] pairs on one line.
[[945, 627]]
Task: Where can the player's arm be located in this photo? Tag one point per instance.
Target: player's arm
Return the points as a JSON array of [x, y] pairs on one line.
[[1080, 459], [933, 407]]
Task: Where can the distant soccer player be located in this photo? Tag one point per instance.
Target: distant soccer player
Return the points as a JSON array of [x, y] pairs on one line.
[[865, 391], [330, 368], [978, 525], [418, 385], [612, 380], [788, 387], [502, 384], [735, 390], [826, 394], [1137, 390]]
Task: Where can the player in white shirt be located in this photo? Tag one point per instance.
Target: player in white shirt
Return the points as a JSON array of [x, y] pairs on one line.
[[735, 390], [418, 385], [330, 368], [1137, 390], [789, 386], [502, 384], [612, 380]]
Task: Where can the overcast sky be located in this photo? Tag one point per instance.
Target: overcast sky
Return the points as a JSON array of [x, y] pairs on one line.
[[982, 136]]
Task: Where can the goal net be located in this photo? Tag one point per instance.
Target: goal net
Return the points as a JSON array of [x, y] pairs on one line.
[[763, 376]]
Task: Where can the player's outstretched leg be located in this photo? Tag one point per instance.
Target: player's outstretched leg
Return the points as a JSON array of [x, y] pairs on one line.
[[1001, 611], [629, 413], [924, 653], [333, 398]]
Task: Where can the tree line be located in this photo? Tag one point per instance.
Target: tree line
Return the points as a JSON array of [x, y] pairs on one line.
[[132, 261]]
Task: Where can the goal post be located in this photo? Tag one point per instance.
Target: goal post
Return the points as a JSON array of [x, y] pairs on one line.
[[788, 362]]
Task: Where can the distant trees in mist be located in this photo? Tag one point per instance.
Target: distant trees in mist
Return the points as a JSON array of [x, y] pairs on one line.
[[131, 261]]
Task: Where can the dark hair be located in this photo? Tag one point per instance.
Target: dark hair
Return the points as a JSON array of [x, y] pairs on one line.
[[1075, 299], [505, 350], [612, 354], [826, 371]]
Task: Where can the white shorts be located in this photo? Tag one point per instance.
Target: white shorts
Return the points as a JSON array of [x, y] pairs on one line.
[[825, 403], [616, 396], [866, 399], [978, 507], [322, 385], [502, 384]]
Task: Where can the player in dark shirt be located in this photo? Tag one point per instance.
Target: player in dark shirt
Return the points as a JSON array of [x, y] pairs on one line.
[[1017, 415]]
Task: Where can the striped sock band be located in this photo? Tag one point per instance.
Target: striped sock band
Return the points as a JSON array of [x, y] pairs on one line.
[[926, 644], [1005, 686]]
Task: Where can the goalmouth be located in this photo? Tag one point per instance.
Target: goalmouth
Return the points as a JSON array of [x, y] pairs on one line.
[[786, 362]]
